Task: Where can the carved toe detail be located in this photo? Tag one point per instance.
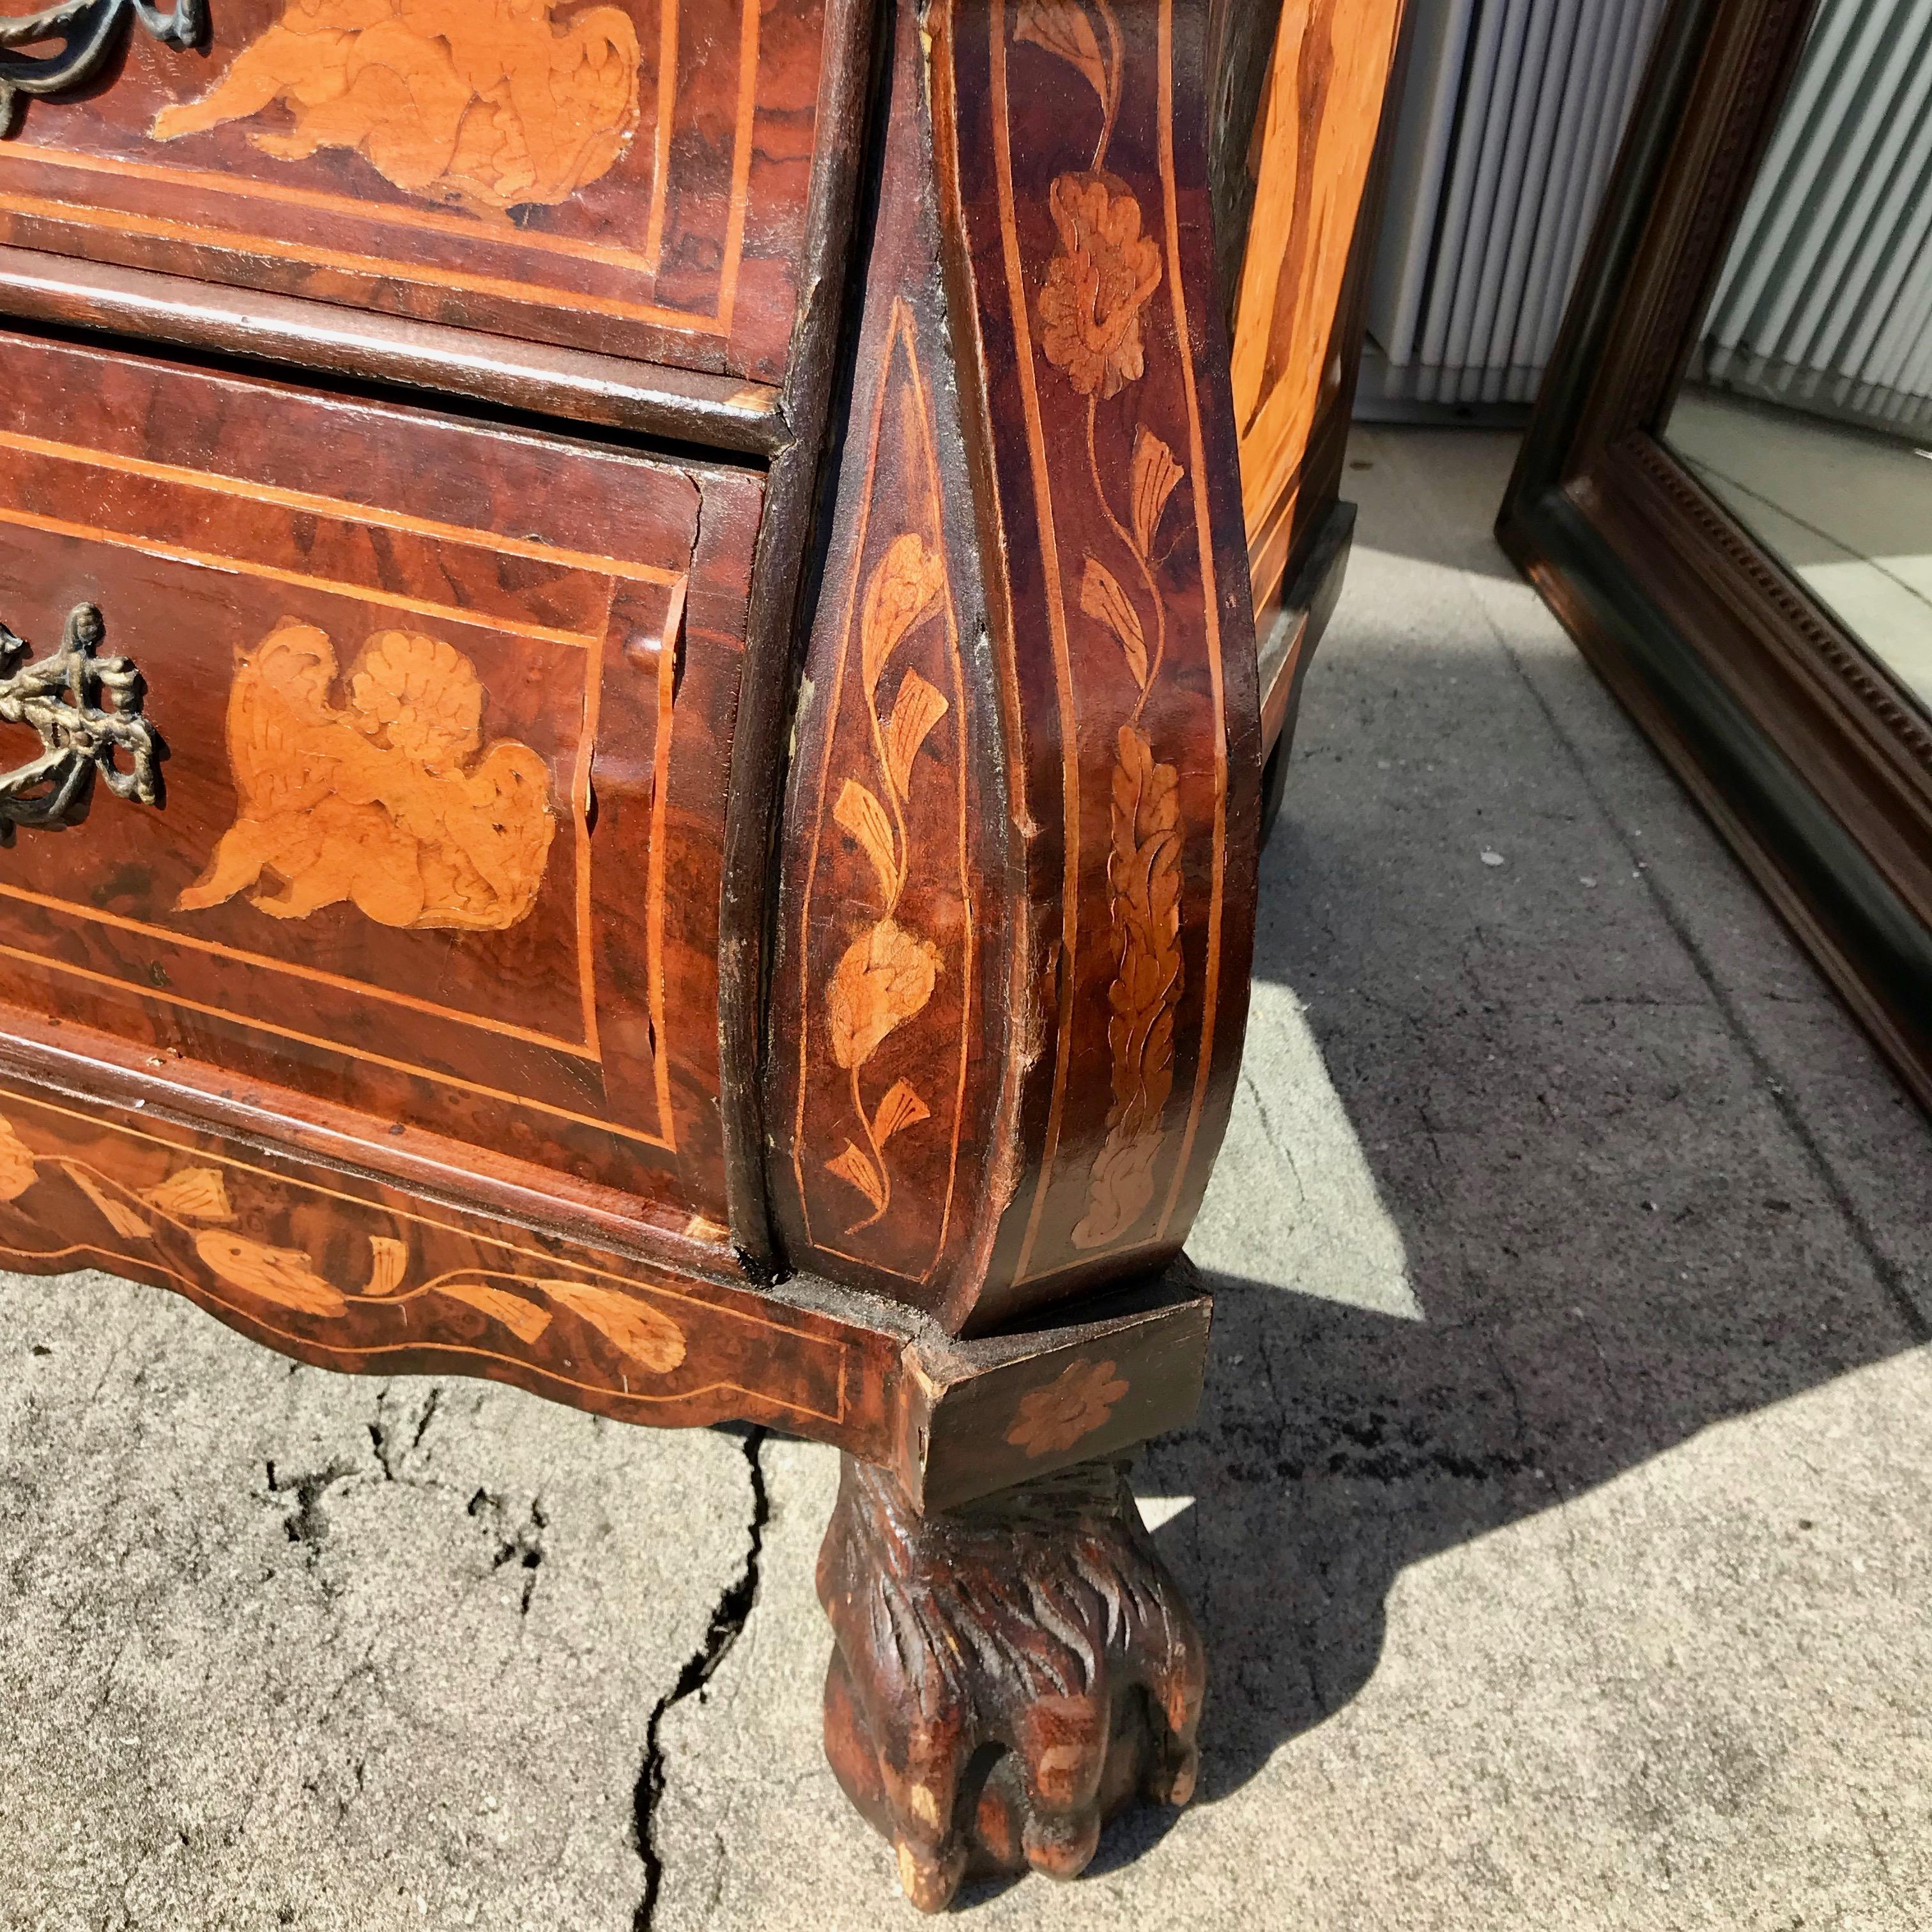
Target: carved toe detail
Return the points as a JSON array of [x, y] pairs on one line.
[[1007, 1676]]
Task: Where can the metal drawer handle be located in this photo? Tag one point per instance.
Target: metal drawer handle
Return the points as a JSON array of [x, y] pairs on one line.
[[89, 32], [87, 710]]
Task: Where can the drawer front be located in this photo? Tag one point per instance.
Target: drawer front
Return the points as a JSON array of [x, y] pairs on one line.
[[627, 177], [436, 849]]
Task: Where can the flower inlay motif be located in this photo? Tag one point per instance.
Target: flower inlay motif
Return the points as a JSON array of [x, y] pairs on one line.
[[1103, 273], [1055, 1419], [1097, 284]]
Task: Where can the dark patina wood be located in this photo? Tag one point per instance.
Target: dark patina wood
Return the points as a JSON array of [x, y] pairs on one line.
[[1806, 753], [778, 583], [1007, 1675], [529, 379], [685, 835], [656, 158], [499, 927], [1079, 1056], [427, 1272], [900, 840]]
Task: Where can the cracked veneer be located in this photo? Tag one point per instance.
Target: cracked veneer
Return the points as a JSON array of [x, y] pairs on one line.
[[733, 1611]]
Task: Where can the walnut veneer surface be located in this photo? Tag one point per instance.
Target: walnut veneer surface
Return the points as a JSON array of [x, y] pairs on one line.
[[638, 732]]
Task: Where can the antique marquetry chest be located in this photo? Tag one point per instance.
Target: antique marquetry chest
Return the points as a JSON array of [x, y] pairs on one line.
[[635, 759]]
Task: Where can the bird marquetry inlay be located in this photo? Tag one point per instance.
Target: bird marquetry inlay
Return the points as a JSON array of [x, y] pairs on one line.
[[485, 105], [383, 801]]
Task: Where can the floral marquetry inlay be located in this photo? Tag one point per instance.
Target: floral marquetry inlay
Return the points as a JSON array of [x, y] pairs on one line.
[[190, 1213], [383, 801], [1105, 273], [1078, 1403], [887, 951], [1102, 274], [886, 976], [485, 105]]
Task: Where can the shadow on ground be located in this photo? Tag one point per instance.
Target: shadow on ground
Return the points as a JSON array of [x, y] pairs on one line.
[[1619, 1224], [1551, 1154]]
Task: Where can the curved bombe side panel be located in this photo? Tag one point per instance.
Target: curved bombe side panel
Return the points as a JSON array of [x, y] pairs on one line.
[[1016, 918]]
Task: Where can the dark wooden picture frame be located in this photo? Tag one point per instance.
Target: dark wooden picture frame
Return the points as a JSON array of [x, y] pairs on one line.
[[1808, 755]]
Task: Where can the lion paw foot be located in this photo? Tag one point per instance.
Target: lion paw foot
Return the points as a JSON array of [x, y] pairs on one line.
[[1007, 1675]]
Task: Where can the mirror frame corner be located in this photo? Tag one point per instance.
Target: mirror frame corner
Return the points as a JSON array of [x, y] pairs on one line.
[[1812, 761]]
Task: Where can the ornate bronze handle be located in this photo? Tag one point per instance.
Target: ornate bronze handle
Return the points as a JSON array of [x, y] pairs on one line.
[[89, 32], [87, 710]]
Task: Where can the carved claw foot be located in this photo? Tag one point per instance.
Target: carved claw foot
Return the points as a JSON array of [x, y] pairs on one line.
[[1007, 1676]]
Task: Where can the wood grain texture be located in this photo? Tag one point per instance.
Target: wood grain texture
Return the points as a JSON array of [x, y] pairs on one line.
[[475, 733], [448, 713], [629, 179], [1077, 243], [886, 975], [526, 379], [1312, 156], [887, 972], [348, 1272], [1240, 49], [1049, 926], [1005, 1677], [845, 122], [1114, 1371], [458, 1007]]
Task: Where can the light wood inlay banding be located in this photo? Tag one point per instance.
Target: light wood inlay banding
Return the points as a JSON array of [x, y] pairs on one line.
[[1210, 604], [1017, 301]]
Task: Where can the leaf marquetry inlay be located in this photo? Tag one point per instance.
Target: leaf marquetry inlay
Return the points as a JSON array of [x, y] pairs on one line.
[[1102, 274], [192, 1205], [887, 975]]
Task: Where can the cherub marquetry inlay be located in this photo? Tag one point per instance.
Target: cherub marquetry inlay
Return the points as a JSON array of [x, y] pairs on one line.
[[485, 105], [383, 800]]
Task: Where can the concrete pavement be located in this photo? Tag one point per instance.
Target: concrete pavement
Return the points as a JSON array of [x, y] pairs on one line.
[[1556, 1517]]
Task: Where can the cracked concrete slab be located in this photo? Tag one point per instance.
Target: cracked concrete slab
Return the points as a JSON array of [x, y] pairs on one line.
[[279, 1648], [1554, 1515]]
